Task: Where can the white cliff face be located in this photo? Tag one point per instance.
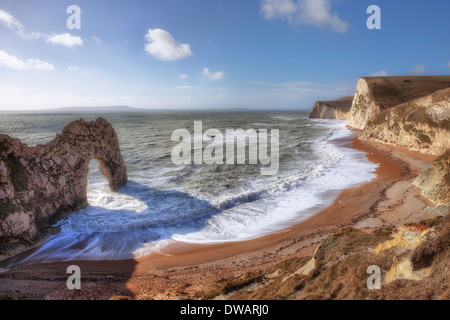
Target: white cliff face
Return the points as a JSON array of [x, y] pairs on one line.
[[323, 111], [363, 106], [377, 94], [434, 183], [412, 112], [336, 109], [422, 125], [437, 104]]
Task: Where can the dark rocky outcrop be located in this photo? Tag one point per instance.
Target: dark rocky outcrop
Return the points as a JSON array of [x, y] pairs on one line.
[[336, 109], [40, 185]]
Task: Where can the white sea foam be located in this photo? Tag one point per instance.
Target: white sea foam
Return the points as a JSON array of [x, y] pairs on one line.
[[252, 214], [284, 118], [155, 209]]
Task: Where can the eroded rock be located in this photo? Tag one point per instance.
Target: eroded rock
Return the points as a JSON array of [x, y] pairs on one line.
[[422, 124], [434, 183], [40, 185]]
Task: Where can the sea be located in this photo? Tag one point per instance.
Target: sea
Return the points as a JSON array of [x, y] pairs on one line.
[[163, 203]]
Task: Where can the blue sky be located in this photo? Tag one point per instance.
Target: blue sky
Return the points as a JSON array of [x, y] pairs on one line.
[[265, 54]]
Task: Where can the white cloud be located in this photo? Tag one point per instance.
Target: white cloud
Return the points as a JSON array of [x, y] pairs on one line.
[[97, 40], [15, 63], [213, 75], [65, 39], [15, 97], [13, 24], [418, 70], [271, 9], [9, 20], [184, 87], [307, 12], [382, 73], [305, 89], [163, 46], [183, 76], [74, 68], [448, 64], [294, 86]]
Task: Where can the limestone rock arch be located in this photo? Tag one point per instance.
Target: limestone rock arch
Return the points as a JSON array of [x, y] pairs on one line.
[[40, 185]]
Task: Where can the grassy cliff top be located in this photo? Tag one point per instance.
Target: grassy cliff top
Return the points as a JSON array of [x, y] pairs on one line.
[[344, 103], [392, 91]]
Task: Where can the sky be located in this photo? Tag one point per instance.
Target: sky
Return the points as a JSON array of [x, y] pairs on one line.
[[213, 54]]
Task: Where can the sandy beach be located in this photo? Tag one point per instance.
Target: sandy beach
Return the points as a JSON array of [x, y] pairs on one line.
[[186, 271], [205, 152]]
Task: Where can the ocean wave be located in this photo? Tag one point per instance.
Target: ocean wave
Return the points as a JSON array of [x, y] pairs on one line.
[[160, 205]]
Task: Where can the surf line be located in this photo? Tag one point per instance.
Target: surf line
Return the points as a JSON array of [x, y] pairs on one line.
[[213, 153]]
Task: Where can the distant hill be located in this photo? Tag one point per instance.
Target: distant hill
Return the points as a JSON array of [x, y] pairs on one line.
[[97, 109], [105, 109]]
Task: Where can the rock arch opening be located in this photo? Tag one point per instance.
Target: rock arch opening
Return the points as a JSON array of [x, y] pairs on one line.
[[56, 178]]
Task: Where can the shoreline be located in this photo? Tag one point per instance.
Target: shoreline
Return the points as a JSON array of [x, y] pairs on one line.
[[132, 277], [313, 229]]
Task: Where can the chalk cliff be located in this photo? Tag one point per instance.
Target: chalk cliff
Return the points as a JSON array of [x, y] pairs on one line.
[[434, 183], [412, 112], [40, 185], [422, 124], [376, 94], [335, 109]]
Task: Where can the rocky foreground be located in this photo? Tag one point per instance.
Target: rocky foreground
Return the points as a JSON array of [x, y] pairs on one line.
[[42, 184]]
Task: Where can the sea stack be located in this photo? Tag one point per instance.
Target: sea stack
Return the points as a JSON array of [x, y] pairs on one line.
[[40, 185]]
